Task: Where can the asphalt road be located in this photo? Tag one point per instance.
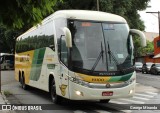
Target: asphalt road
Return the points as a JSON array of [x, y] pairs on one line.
[[149, 79], [145, 94]]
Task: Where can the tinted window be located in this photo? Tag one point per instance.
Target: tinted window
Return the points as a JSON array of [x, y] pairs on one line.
[[157, 65], [39, 38], [149, 64], [64, 51]]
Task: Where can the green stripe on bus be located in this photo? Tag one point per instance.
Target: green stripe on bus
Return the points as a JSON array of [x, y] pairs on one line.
[[120, 78], [126, 77], [37, 64]]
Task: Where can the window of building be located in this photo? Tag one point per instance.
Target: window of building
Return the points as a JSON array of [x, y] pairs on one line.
[[158, 43]]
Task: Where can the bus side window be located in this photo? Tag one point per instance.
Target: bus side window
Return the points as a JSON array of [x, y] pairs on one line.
[[1, 60], [63, 52]]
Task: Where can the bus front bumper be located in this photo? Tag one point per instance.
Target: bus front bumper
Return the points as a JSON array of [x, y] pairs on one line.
[[79, 92]]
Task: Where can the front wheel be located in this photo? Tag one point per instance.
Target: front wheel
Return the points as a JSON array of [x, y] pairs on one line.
[[55, 98], [104, 101]]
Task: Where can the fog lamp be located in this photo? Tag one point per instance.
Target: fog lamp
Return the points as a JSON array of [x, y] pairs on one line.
[[79, 93], [131, 91]]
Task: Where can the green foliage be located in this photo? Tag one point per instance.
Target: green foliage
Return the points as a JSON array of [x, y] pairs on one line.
[[125, 8], [7, 93], [16, 16], [7, 39], [141, 51], [24, 13]]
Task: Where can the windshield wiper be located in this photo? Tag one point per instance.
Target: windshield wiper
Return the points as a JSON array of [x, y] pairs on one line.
[[113, 57], [98, 59]]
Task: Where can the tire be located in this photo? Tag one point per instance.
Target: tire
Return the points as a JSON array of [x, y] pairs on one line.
[[156, 72], [55, 98], [142, 71], [23, 85], [105, 101], [20, 80]]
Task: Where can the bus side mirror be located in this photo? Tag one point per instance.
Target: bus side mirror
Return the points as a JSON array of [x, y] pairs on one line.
[[68, 37], [141, 34]]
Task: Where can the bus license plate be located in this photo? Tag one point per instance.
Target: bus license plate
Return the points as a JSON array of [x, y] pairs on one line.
[[107, 93]]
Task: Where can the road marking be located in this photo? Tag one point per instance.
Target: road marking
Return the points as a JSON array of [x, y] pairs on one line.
[[117, 102], [102, 111], [151, 93], [133, 101], [136, 97], [145, 95], [114, 106], [126, 111], [79, 111]]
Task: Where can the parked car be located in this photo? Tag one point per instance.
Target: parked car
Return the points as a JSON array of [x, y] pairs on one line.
[[155, 68], [138, 66], [146, 67]]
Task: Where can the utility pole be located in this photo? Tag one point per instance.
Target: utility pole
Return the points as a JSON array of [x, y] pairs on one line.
[[0, 73], [97, 5], [158, 19], [0, 62]]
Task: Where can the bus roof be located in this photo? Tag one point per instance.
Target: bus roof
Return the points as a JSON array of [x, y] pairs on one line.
[[81, 15], [87, 15]]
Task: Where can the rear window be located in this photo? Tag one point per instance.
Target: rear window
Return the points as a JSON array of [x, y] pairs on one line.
[[158, 65], [149, 64]]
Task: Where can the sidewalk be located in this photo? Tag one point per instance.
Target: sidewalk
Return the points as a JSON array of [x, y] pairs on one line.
[[3, 101]]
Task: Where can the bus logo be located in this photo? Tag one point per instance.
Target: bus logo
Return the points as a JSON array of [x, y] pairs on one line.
[[108, 85]]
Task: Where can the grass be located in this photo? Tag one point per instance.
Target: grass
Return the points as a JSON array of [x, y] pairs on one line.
[[7, 93]]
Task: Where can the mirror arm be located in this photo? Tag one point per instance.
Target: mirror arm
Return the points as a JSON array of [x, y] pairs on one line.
[[141, 34], [68, 37]]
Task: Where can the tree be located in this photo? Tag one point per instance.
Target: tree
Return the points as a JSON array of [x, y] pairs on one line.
[[7, 39], [24, 13], [16, 16], [125, 8]]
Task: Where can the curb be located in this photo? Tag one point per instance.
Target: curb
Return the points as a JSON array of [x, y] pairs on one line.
[[5, 102]]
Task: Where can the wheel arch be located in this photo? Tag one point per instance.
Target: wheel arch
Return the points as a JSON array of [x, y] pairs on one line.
[[19, 75], [51, 77]]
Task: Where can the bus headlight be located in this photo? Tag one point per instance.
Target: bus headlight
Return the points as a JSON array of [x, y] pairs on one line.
[[79, 81]]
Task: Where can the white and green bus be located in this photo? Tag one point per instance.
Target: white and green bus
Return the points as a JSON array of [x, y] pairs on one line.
[[78, 55]]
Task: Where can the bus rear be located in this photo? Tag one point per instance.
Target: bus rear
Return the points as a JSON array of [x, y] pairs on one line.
[[7, 61]]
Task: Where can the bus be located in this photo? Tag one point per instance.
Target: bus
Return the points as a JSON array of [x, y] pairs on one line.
[[7, 61], [78, 55]]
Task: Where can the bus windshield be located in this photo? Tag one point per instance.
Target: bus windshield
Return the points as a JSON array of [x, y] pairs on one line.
[[100, 46]]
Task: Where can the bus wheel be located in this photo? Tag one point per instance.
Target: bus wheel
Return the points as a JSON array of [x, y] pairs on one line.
[[24, 86], [55, 98], [104, 101]]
